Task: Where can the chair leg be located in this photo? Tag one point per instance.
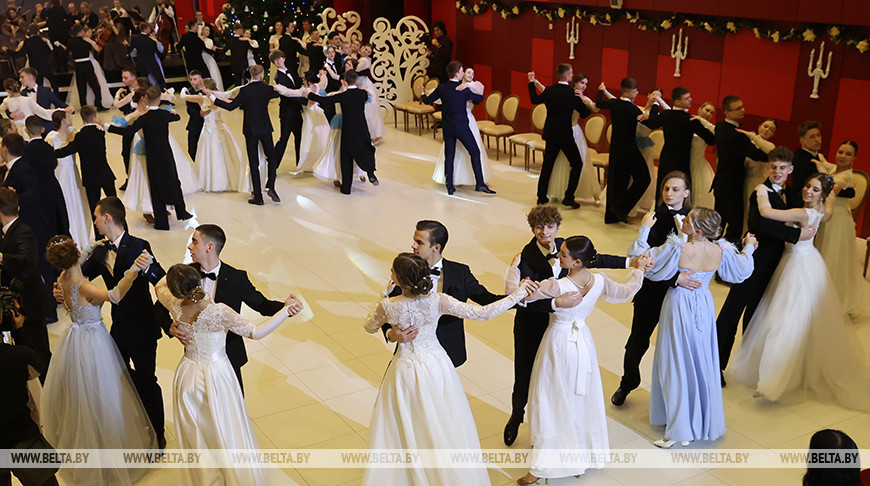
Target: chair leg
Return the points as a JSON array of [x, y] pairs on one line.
[[497, 148], [422, 119], [511, 155], [406, 120], [395, 118]]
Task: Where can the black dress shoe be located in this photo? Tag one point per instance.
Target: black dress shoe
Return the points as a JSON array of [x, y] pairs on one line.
[[543, 200], [722, 377], [450, 190], [273, 195], [619, 395], [511, 430], [484, 189], [256, 201], [161, 442], [123, 186], [184, 216], [373, 179], [571, 203]]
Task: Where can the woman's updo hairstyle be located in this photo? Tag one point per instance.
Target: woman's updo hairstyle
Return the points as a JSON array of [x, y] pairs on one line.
[[184, 282], [826, 181], [11, 85], [413, 273], [707, 221], [581, 248], [61, 252]]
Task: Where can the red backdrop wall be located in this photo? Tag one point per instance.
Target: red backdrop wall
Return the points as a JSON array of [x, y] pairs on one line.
[[771, 78]]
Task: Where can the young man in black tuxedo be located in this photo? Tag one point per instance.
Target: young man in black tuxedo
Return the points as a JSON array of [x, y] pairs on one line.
[[290, 108], [628, 176], [454, 96], [538, 262], [195, 119], [44, 96], [90, 143], [147, 49], [225, 285], [191, 47], [18, 260], [561, 102], [39, 155], [80, 51], [124, 102], [732, 148], [134, 327], [808, 160], [772, 235], [356, 142], [666, 219], [38, 50], [679, 129], [253, 99], [162, 175], [452, 278], [239, 44]]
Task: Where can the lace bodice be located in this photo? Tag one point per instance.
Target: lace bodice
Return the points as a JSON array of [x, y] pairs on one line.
[[87, 315], [208, 331], [423, 313], [815, 217]]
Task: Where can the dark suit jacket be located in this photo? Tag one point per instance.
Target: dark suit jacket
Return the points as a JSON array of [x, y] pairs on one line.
[[192, 47], [804, 167], [561, 103], [772, 233], [23, 179], [623, 116], [19, 248], [146, 52], [238, 54], [37, 52], [733, 148], [664, 226], [195, 119], [289, 107], [459, 283], [291, 49], [316, 57], [454, 111], [354, 128], [90, 144], [39, 154], [46, 98], [132, 319], [253, 99], [679, 130]]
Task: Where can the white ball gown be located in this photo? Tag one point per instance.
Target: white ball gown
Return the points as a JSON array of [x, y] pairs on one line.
[[701, 172], [328, 165], [315, 138], [137, 197], [220, 161], [374, 117], [105, 96], [836, 242], [799, 341], [463, 173], [77, 209], [566, 397], [588, 189], [88, 401], [208, 404], [645, 144], [214, 71], [421, 403], [27, 106]]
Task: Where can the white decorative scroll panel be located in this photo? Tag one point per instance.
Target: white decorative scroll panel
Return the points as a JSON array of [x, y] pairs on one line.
[[399, 55], [347, 24]]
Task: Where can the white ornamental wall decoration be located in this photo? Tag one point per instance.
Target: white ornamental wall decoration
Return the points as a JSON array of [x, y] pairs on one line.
[[399, 55], [347, 25]]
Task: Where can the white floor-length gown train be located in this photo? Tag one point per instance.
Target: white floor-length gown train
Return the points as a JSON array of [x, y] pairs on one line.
[[220, 162], [89, 401], [209, 407], [328, 166], [588, 188], [799, 340], [421, 403], [315, 138], [214, 71], [463, 172], [70, 180], [374, 117], [105, 96], [566, 397], [701, 171]]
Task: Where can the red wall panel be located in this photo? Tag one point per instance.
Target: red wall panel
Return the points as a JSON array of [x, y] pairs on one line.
[[849, 124], [483, 21], [614, 67], [701, 77]]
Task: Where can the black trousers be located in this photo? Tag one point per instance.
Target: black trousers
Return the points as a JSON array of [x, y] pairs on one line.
[[85, 76], [252, 144], [627, 180], [743, 299], [466, 138], [529, 328], [94, 194], [158, 204], [126, 146], [551, 152], [647, 309], [38, 334], [142, 353], [730, 207], [291, 123], [361, 152], [194, 130]]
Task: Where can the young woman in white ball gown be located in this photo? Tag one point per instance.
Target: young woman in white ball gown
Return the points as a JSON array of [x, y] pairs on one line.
[[701, 171], [374, 117], [463, 173], [214, 71], [421, 403], [70, 179], [566, 398], [799, 340]]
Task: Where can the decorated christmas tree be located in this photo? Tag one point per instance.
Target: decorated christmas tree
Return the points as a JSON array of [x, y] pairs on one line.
[[259, 16]]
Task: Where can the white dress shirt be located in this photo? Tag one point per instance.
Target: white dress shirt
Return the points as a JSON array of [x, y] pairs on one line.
[[209, 285], [112, 255], [8, 168]]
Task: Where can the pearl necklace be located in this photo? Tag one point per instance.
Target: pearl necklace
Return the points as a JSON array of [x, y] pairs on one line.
[[584, 285]]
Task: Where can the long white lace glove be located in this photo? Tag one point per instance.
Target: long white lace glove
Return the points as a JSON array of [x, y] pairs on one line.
[[88, 250], [120, 290], [270, 325]]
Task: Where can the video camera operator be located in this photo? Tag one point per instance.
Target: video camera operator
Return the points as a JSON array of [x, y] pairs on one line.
[[17, 428], [19, 273], [440, 50]]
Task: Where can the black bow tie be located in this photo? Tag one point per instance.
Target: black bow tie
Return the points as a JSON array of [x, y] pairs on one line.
[[674, 212], [552, 256], [207, 275], [111, 246], [27, 91], [435, 271]]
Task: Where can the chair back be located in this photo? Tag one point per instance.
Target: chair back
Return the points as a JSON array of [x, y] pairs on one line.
[[415, 85], [430, 85], [491, 104], [594, 130], [539, 116], [509, 109], [861, 182], [575, 117], [609, 133], [658, 138]]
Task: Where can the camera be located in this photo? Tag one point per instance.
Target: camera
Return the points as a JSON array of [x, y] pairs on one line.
[[426, 38], [9, 295]]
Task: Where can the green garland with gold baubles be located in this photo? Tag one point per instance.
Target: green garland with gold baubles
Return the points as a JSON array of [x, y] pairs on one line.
[[549, 11]]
